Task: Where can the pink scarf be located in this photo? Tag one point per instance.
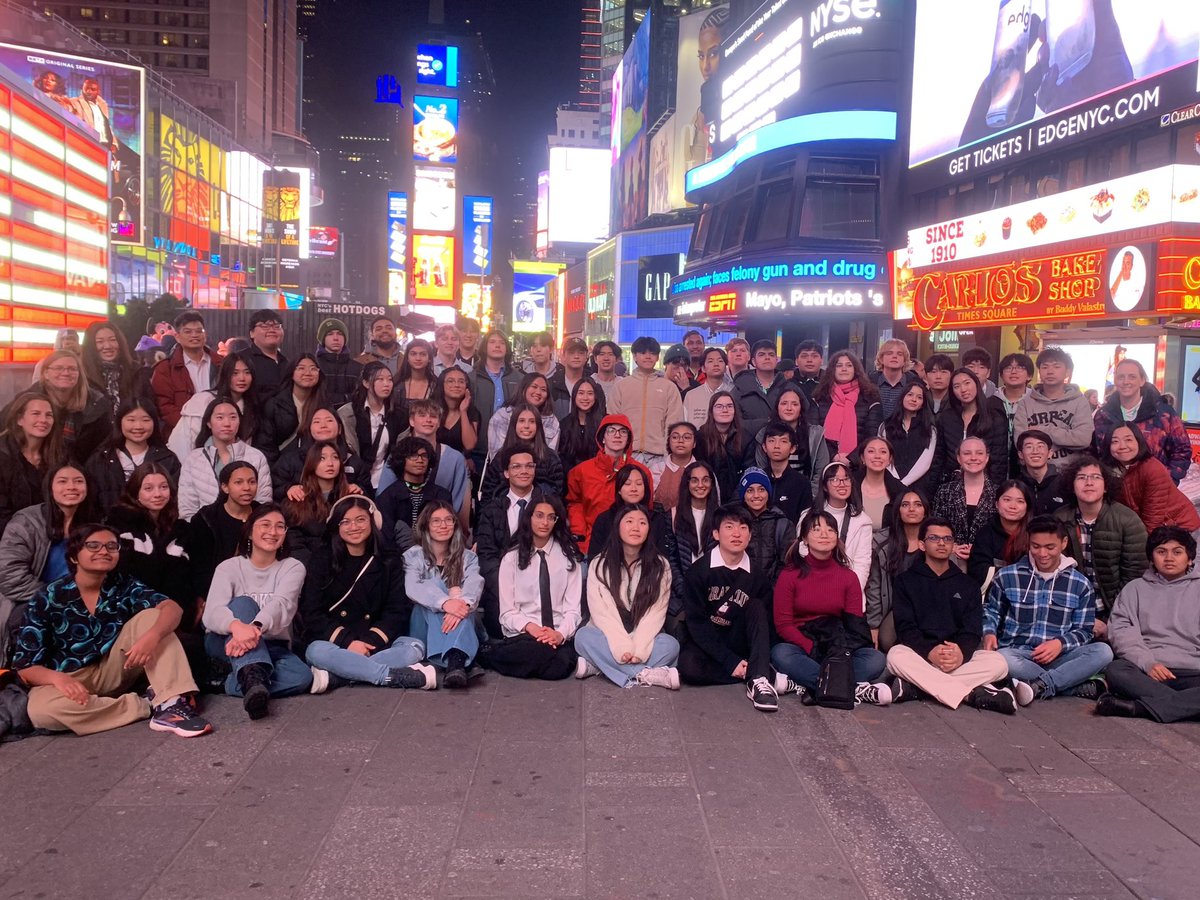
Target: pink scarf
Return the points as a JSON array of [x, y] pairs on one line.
[[841, 424]]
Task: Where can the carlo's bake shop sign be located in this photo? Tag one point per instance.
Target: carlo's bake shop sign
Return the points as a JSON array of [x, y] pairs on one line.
[[1119, 204], [1048, 289]]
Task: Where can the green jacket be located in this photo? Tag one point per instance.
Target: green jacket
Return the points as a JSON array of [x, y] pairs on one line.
[[1118, 549]]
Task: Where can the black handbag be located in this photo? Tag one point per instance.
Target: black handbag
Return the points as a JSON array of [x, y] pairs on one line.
[[835, 683]]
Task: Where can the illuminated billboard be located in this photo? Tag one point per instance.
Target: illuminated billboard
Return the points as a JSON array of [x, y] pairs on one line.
[[687, 138], [435, 198], [281, 245], [477, 247], [54, 268], [541, 241], [397, 247], [433, 266], [323, 241], [630, 145], [578, 195], [529, 294], [437, 65], [435, 129], [1024, 80], [477, 303], [110, 99]]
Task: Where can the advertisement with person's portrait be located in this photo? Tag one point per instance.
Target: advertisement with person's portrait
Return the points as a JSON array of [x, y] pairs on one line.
[[1128, 279], [106, 97], [982, 71], [696, 109]]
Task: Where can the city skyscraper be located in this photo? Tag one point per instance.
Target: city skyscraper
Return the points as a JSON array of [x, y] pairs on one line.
[[589, 56]]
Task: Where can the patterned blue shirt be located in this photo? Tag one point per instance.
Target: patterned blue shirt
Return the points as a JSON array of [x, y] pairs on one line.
[[1036, 609], [59, 632]]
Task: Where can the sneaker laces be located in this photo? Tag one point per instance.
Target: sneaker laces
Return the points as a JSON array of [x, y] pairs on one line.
[[866, 693], [761, 684]]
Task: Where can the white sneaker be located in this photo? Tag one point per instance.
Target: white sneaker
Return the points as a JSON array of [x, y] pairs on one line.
[[1023, 691], [784, 685], [584, 668], [660, 676], [320, 682], [430, 674], [877, 694]]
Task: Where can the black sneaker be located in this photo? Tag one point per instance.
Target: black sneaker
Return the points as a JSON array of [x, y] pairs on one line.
[[180, 719], [762, 695], [903, 691], [1039, 689], [413, 678], [1112, 705], [1090, 689], [456, 670], [878, 694], [255, 680], [993, 699]]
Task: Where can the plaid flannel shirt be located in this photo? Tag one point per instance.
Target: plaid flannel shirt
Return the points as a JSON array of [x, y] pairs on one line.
[[1040, 609]]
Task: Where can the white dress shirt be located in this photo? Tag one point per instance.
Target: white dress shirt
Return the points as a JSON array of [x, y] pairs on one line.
[[514, 511], [716, 561], [521, 593], [199, 371]]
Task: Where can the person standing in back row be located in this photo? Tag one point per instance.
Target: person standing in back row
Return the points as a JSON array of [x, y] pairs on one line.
[[267, 360], [650, 402], [1056, 406]]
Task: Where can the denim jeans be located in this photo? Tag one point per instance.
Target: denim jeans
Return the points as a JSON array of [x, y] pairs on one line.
[[803, 669], [592, 645], [426, 626], [289, 674], [372, 669], [1072, 667]]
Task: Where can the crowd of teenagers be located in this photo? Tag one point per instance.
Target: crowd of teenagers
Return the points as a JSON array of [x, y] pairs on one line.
[[418, 514]]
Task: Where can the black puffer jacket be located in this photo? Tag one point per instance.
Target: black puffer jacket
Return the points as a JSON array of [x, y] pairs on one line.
[[550, 478], [376, 610], [951, 436], [770, 536], [160, 561], [756, 406], [288, 469], [342, 372], [20, 481], [108, 476], [277, 423]]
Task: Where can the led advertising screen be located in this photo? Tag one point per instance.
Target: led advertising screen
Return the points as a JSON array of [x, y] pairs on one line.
[[798, 57], [437, 65], [578, 200], [397, 216], [477, 251], [529, 294], [323, 241], [435, 129], [282, 228], [1022, 77], [110, 99], [541, 240], [435, 199], [697, 98], [630, 191], [433, 266]]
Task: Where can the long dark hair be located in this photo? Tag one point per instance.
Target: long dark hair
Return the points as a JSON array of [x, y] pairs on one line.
[[455, 567], [250, 399], [794, 559], [853, 502], [685, 517], [897, 540], [129, 497], [866, 390], [340, 554], [439, 390], [610, 564], [1016, 544], [981, 423], [713, 445], [52, 451], [316, 396], [801, 426], [358, 399], [314, 506], [205, 430], [55, 520], [574, 444], [404, 373], [523, 540], [547, 407], [130, 404], [540, 448], [922, 419], [1143, 451], [93, 366]]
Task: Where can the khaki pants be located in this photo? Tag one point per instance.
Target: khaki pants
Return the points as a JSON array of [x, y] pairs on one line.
[[950, 688], [111, 706]]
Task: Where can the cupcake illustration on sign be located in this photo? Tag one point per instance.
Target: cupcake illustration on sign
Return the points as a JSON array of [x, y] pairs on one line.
[[1102, 204], [1127, 278]]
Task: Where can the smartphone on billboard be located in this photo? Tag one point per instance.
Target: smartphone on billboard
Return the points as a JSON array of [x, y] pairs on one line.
[[1008, 62], [1071, 34]]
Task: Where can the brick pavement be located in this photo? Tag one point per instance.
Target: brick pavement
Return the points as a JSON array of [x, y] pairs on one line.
[[529, 790]]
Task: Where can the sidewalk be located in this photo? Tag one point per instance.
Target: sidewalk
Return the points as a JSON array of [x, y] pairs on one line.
[[579, 789]]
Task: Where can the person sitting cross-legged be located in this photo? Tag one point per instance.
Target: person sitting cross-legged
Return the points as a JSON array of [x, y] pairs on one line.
[[541, 596], [90, 636], [1040, 613], [1155, 637], [354, 608], [727, 630], [939, 625]]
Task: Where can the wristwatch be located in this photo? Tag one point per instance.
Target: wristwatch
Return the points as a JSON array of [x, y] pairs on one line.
[[257, 624]]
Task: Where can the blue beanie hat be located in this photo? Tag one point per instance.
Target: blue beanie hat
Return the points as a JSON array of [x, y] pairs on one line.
[[753, 475]]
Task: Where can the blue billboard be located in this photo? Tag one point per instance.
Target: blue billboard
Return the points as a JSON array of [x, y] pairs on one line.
[[437, 65], [397, 231], [477, 241]]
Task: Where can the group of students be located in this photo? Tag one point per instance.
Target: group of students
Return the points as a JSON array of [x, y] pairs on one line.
[[269, 527]]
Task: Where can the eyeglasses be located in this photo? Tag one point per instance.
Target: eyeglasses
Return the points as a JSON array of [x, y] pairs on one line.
[[522, 467], [939, 539], [841, 479], [191, 332], [1088, 479], [97, 546], [270, 326], [442, 522], [544, 517], [60, 370]]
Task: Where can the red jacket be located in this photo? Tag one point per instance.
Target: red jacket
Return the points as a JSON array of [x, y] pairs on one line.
[[591, 485], [172, 385], [1148, 490]]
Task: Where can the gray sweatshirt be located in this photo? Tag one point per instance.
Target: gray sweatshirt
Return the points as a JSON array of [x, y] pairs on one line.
[[1158, 621], [276, 590], [1067, 420]]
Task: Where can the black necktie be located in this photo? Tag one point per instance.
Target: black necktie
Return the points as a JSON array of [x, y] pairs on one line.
[[544, 587], [521, 504]]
